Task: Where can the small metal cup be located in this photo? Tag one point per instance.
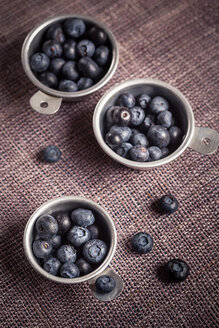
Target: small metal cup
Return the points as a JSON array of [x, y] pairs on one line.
[[47, 100], [69, 203], [193, 137]]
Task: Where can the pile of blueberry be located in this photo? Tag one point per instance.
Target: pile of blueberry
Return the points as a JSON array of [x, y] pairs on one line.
[[142, 128], [72, 57], [69, 245]]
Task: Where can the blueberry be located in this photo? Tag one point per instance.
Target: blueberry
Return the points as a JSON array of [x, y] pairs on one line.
[[48, 79], [74, 27], [124, 149], [69, 71], [155, 153], [52, 266], [52, 48], [69, 49], [165, 119], [82, 217], [139, 139], [175, 135], [134, 131], [165, 152], [139, 153], [88, 68], [113, 139], [66, 253], [56, 65], [56, 241], [168, 204], [147, 123], [97, 35], [39, 62], [101, 55], [78, 236], [142, 243], [46, 226], [158, 105], [84, 83], [177, 270], [124, 132], [69, 270], [83, 266], [105, 284], [85, 48], [94, 251], [64, 222], [67, 86], [94, 231], [42, 248], [138, 115], [158, 136], [55, 33], [111, 113], [51, 154], [122, 116], [143, 100], [126, 100]]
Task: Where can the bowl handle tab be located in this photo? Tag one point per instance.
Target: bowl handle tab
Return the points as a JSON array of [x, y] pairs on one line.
[[204, 140], [45, 104]]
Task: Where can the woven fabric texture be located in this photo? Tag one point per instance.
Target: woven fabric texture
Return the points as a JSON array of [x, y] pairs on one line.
[[174, 41]]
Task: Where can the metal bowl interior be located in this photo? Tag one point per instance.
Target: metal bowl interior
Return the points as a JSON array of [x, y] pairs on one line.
[[69, 203], [31, 45], [179, 105]]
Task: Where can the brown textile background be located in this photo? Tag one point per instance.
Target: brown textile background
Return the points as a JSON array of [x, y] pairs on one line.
[[174, 41]]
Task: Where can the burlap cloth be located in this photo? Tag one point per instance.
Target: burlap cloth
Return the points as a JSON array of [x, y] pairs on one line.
[[174, 41]]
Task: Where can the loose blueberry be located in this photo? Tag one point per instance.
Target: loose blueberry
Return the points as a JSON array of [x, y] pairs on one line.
[[155, 153], [105, 284], [165, 119], [168, 204], [139, 153], [39, 62], [139, 139], [69, 270], [56, 65], [124, 149], [52, 266], [126, 100], [84, 83], [177, 270], [97, 35], [85, 48], [56, 241], [111, 113], [101, 55], [48, 79], [138, 115], [89, 68], [78, 236], [64, 222], [147, 123], [165, 152], [124, 132], [158, 105], [83, 266], [69, 49], [52, 154], [46, 226], [158, 136], [113, 139], [175, 135], [69, 71], [82, 217], [52, 48], [42, 248], [94, 231], [67, 86], [94, 251], [55, 33], [74, 27], [142, 243], [143, 100], [122, 117], [66, 253]]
